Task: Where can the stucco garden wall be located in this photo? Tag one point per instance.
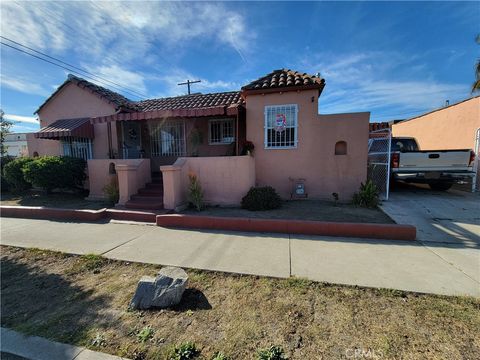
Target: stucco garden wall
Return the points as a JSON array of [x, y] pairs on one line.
[[74, 102], [224, 179], [99, 175], [314, 158]]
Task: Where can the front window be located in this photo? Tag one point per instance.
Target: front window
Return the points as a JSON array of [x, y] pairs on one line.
[[221, 131], [77, 147], [167, 138], [281, 126]]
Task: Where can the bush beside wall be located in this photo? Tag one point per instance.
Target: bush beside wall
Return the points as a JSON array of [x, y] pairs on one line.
[[14, 176], [55, 172], [261, 198]]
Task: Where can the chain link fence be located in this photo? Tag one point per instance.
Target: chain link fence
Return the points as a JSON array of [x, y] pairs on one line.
[[378, 170]]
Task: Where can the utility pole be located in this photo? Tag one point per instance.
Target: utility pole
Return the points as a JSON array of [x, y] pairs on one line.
[[188, 82]]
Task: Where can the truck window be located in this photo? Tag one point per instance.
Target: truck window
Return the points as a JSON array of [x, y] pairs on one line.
[[404, 145]]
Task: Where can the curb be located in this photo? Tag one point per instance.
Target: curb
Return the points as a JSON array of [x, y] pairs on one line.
[[303, 227], [38, 348]]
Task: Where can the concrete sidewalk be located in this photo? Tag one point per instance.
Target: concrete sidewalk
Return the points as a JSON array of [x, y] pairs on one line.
[[448, 269], [37, 348]]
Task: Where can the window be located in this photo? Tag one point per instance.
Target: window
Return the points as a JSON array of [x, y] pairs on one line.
[[281, 126], [221, 131], [167, 138], [77, 147]]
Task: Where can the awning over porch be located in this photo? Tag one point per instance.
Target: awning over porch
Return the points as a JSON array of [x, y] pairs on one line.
[[80, 127], [168, 113]]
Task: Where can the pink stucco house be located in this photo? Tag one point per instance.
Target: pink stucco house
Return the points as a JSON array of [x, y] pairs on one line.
[[152, 145]]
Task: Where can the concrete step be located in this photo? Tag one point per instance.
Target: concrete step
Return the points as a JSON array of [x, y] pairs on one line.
[[144, 204], [154, 185], [151, 191], [147, 197]]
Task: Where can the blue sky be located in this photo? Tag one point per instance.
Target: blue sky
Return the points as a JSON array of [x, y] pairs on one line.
[[393, 59]]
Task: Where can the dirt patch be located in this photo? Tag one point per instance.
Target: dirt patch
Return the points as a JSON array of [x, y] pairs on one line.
[[83, 301], [54, 200], [304, 210]]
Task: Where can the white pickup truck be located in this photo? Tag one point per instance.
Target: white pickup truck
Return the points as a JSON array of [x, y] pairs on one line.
[[440, 169]]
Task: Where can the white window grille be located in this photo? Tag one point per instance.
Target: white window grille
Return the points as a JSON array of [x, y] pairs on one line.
[[281, 126], [77, 147], [221, 131], [167, 138]]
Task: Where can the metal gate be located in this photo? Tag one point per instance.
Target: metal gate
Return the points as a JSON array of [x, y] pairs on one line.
[[476, 163], [378, 170]]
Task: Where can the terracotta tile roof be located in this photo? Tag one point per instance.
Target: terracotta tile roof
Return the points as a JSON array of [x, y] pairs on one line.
[[285, 78], [110, 96], [194, 101], [80, 127]]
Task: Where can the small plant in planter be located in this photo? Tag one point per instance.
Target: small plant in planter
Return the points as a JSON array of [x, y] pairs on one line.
[[335, 198], [195, 192], [248, 148], [367, 196], [111, 191], [261, 198]]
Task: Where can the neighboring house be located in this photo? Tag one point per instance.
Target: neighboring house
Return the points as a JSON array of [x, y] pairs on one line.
[[456, 126], [16, 144], [204, 134]]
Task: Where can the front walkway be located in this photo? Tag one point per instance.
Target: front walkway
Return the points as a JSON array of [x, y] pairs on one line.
[[393, 264]]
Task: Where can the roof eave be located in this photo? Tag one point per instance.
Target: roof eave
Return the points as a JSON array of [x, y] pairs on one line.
[[260, 91]]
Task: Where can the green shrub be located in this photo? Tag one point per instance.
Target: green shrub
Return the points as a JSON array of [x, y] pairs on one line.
[[367, 196], [111, 191], [195, 192], [261, 198], [145, 334], [56, 172], [220, 356], [14, 174], [184, 351], [272, 353], [4, 160]]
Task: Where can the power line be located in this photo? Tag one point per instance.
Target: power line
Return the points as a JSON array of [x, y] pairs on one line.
[[119, 86]]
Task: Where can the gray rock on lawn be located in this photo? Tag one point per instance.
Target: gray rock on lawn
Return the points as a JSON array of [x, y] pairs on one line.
[[163, 291]]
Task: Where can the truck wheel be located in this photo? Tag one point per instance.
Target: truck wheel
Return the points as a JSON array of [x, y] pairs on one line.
[[443, 186]]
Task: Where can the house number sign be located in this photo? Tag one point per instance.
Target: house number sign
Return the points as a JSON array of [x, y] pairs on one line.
[[280, 122]]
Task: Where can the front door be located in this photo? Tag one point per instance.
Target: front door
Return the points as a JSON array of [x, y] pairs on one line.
[[132, 140]]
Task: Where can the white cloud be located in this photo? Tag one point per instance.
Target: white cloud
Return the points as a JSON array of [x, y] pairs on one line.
[[21, 119], [22, 85], [390, 85], [116, 74]]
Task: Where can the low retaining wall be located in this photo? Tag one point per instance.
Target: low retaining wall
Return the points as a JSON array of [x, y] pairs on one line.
[[358, 230], [33, 212], [224, 179]]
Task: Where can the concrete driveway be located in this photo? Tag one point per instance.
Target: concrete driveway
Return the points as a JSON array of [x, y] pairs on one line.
[[451, 217]]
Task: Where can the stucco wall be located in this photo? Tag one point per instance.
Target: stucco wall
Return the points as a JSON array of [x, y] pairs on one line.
[[43, 146], [224, 179], [314, 158], [99, 174], [74, 102], [453, 127]]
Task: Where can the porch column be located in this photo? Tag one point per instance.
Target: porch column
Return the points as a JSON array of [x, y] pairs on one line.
[[127, 182], [173, 185]]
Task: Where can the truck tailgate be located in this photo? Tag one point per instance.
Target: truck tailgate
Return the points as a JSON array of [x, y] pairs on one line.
[[443, 160]]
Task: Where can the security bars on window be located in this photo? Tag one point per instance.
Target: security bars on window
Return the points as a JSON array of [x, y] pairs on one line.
[[167, 138], [278, 135], [77, 147], [221, 131]]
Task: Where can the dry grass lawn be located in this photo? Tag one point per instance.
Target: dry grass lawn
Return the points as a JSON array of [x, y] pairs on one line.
[[84, 300]]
